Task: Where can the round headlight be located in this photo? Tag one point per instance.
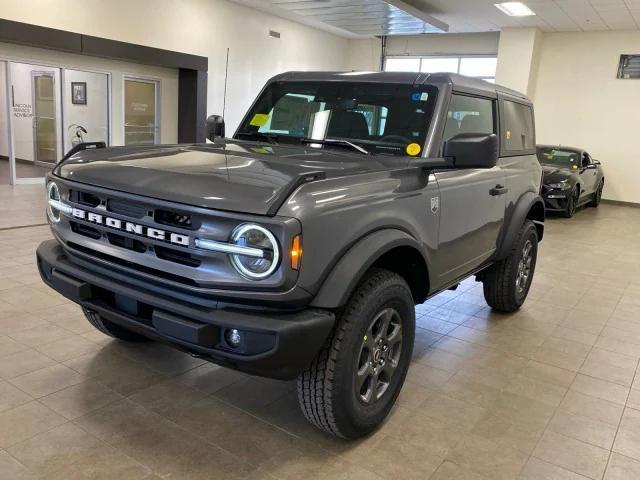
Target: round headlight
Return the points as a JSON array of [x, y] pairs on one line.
[[255, 236], [53, 194]]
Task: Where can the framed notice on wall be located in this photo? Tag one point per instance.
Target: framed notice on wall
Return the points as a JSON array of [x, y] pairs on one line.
[[79, 93]]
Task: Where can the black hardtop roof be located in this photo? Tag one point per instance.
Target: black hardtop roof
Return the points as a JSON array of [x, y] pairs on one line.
[[562, 147], [458, 82]]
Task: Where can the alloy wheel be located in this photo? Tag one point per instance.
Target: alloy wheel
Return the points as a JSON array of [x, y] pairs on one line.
[[379, 356], [524, 267]]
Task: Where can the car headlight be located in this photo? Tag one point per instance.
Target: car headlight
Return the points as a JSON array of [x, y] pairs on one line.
[[53, 197], [560, 185], [255, 237]]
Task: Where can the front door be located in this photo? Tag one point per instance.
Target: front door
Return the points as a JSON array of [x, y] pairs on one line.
[[588, 175], [472, 201], [45, 145]]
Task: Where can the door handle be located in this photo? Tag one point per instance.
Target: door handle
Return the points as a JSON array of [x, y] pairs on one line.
[[498, 190]]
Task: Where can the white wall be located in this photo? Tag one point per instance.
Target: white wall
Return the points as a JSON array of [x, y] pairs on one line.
[[579, 102], [518, 58], [364, 55], [167, 77], [201, 27]]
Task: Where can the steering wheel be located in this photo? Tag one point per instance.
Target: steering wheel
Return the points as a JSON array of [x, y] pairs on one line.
[[395, 139]]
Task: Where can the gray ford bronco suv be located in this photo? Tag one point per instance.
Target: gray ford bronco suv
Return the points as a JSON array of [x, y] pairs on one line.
[[299, 247]]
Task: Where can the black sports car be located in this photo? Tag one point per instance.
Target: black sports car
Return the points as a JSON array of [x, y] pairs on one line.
[[571, 178]]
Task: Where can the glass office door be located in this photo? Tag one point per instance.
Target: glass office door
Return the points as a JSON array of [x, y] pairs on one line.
[[45, 141], [141, 120]]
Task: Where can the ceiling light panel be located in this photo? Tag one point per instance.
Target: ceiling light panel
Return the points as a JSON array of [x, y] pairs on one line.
[[515, 9]]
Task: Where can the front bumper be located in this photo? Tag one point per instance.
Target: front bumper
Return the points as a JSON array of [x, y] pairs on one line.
[[556, 200], [274, 343]]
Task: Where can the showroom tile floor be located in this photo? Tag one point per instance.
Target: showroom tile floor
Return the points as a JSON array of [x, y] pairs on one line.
[[550, 392]]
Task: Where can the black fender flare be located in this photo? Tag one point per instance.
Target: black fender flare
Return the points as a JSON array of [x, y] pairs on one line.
[[514, 221], [350, 268]]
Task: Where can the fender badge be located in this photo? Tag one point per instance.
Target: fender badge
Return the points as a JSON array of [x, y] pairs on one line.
[[435, 204]]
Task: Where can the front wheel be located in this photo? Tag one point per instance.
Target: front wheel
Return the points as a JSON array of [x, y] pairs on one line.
[[507, 282], [350, 387], [572, 202]]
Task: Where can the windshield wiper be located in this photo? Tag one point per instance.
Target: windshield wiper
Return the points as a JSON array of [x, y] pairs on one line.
[[337, 142], [272, 139]]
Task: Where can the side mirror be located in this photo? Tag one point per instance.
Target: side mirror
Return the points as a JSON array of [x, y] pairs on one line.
[[591, 166], [472, 150], [215, 127]]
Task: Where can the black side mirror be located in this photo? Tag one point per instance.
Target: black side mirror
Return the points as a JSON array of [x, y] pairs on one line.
[[591, 166], [472, 150], [215, 127]]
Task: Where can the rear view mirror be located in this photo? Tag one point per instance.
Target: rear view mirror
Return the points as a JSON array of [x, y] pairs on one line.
[[215, 127], [472, 150]]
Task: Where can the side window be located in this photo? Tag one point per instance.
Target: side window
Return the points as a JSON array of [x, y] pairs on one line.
[[469, 115], [518, 128], [586, 159]]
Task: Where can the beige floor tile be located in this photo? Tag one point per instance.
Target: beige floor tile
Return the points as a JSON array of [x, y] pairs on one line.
[[628, 438], [548, 373], [537, 390], [9, 346], [584, 429], [536, 469], [11, 396], [25, 361], [572, 455], [600, 388], [622, 468], [23, 422], [488, 458], [47, 380], [611, 366], [412, 395], [393, 459], [452, 411], [67, 348], [466, 389], [428, 377], [18, 323], [78, 400], [253, 394], [12, 469], [210, 378], [577, 403], [43, 332], [449, 471]]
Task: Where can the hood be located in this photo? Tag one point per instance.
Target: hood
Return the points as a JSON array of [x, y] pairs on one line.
[[553, 174], [233, 176]]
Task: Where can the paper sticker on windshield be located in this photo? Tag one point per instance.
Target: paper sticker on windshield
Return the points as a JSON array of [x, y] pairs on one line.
[[508, 135], [575, 167], [413, 149], [259, 120], [424, 97]]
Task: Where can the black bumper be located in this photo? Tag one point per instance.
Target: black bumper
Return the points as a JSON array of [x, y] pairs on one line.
[[555, 201], [274, 344]]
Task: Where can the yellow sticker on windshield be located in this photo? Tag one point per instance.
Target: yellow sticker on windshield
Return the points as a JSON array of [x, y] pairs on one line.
[[413, 149], [508, 134], [575, 167], [259, 120]]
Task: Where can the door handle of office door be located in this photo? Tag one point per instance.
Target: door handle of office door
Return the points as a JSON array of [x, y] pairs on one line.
[[498, 190]]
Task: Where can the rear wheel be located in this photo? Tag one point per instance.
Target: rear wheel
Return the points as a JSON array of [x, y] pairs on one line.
[[110, 328], [507, 282], [597, 196], [353, 383]]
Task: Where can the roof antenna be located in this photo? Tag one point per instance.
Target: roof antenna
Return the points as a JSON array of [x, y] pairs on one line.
[[226, 76]]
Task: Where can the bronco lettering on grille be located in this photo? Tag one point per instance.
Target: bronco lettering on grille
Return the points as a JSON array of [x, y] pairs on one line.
[[129, 227]]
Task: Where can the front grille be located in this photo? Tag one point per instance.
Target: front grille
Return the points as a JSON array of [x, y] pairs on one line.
[[125, 242], [175, 219], [133, 266], [128, 209], [176, 256], [84, 198], [85, 231]]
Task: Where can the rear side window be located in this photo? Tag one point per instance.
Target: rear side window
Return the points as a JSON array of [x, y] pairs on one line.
[[518, 132], [469, 115]]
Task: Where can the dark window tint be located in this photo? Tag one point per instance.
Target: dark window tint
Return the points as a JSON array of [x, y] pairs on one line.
[[518, 129], [469, 115]]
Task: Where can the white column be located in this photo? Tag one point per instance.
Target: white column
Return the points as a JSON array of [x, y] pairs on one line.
[[518, 59]]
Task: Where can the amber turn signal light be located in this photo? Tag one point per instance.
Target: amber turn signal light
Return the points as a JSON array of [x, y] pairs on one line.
[[296, 252]]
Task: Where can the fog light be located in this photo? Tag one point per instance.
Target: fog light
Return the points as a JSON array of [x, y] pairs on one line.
[[233, 337]]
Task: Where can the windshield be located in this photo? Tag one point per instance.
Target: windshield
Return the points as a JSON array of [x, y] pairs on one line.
[[386, 119], [559, 158]]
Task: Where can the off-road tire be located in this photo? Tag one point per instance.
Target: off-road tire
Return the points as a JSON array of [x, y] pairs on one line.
[[110, 328], [326, 391], [499, 280]]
